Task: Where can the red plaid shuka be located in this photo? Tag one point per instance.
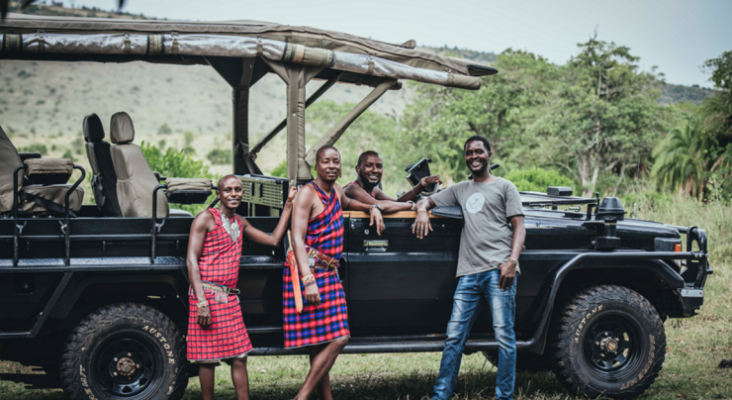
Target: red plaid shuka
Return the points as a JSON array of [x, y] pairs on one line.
[[227, 336], [329, 321]]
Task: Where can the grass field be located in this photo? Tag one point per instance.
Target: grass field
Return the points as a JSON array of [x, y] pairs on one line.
[[695, 347]]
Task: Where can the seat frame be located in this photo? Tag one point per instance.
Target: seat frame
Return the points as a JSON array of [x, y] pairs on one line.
[[64, 223]]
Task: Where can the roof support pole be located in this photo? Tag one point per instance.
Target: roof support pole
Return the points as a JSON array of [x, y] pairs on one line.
[[241, 74], [336, 131], [296, 167], [296, 77], [243, 163], [315, 96]]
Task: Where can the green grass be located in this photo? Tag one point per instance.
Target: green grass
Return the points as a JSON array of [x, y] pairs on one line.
[[695, 347]]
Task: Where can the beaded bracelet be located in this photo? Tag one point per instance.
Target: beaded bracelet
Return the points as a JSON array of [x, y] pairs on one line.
[[307, 280], [202, 303]]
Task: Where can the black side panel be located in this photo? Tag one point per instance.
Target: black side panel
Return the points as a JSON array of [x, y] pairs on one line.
[[407, 286]]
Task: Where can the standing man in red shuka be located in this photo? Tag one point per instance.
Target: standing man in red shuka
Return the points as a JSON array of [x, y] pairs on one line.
[[216, 329], [317, 239]]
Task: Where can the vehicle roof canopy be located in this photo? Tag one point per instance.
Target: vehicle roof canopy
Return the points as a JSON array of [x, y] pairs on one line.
[[242, 52]]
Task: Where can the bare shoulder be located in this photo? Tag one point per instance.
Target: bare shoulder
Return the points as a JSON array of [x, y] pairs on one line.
[[305, 196], [204, 220], [349, 190], [338, 189]]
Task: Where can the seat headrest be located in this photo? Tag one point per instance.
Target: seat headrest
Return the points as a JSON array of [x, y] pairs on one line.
[[121, 129], [93, 128]]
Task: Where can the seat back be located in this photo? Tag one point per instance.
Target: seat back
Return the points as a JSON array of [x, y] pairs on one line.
[[104, 179], [135, 179], [9, 159]]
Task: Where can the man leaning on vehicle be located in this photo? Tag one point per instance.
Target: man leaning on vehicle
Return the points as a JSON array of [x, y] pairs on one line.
[[490, 245]]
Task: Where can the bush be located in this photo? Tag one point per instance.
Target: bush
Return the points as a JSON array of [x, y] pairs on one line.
[[175, 164], [188, 138], [165, 129], [34, 148], [537, 179], [68, 154], [219, 157], [188, 150], [280, 170]]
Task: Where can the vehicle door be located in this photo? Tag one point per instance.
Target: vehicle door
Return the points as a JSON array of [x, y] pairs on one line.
[[396, 283]]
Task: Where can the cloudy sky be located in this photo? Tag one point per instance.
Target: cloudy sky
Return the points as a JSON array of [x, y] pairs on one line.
[[675, 35]]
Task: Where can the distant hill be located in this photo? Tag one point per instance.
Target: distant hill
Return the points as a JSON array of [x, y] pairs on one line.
[[56, 8], [676, 93]]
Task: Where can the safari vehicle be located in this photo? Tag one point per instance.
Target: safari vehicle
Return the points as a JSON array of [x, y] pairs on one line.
[[96, 296]]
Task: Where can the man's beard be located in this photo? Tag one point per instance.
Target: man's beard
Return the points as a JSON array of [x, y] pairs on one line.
[[480, 170], [367, 185]]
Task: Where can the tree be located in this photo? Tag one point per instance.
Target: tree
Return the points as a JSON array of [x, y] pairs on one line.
[[438, 120], [606, 116], [682, 159]]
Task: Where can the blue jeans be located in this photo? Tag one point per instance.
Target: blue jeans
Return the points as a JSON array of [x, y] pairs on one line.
[[471, 294]]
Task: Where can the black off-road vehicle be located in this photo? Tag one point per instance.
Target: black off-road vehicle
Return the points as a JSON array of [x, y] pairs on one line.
[[96, 296]]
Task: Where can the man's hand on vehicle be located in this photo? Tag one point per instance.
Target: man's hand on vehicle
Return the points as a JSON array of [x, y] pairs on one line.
[[291, 195], [429, 180], [377, 219], [422, 226], [312, 294], [204, 316], [508, 273]]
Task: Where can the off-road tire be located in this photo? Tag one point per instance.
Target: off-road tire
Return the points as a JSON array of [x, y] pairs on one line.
[[132, 337], [584, 363], [525, 361]]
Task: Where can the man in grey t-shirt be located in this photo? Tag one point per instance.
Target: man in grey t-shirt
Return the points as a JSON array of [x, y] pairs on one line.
[[490, 246]]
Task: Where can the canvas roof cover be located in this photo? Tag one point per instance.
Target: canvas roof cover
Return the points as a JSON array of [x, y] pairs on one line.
[[306, 36]]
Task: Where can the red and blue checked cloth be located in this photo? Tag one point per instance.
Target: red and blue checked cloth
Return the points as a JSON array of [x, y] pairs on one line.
[[328, 321], [227, 336]]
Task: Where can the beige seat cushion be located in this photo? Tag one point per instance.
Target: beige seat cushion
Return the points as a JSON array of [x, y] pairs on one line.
[[54, 193], [173, 184], [49, 170], [136, 182], [135, 179], [9, 159]]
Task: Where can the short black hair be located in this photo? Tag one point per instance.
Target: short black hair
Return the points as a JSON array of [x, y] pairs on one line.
[[365, 154], [480, 138], [324, 148], [224, 178]]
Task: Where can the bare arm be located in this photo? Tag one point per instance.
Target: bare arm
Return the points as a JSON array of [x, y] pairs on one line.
[[355, 205], [422, 226], [274, 240], [508, 269], [388, 206], [202, 224], [428, 180], [301, 211]]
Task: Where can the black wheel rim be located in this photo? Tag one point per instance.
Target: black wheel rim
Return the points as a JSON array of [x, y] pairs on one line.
[[613, 346], [127, 365]]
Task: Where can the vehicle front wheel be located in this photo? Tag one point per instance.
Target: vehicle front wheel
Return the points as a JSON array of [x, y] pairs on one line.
[[125, 352], [608, 341]]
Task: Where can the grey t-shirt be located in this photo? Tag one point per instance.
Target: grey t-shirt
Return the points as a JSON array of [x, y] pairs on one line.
[[487, 236]]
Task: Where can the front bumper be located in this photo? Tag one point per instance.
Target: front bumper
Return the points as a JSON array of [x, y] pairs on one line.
[[690, 300]]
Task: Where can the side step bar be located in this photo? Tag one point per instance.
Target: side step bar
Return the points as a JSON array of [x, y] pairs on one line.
[[356, 346]]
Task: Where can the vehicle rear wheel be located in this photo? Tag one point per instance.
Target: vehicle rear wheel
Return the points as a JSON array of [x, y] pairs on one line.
[[608, 341], [525, 361], [125, 352]]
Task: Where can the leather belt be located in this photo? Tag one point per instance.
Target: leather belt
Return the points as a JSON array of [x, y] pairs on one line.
[[322, 260]]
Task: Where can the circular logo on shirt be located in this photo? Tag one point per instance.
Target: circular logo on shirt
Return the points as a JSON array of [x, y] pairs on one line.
[[475, 203]]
